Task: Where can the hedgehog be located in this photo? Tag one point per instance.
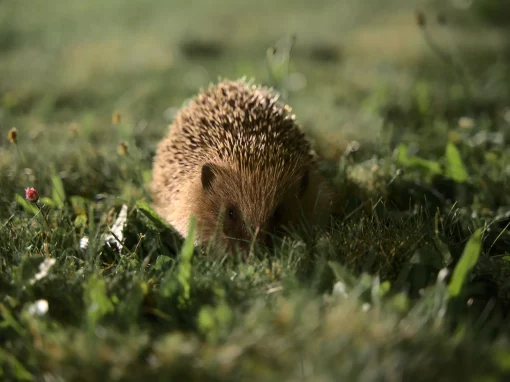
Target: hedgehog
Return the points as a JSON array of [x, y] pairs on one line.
[[236, 160]]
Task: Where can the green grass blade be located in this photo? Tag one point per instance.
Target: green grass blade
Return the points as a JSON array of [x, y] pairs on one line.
[[423, 165], [184, 270], [153, 217], [17, 367], [27, 206], [455, 166], [58, 194], [466, 263]]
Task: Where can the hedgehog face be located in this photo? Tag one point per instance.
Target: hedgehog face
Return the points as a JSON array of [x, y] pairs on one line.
[[243, 205]]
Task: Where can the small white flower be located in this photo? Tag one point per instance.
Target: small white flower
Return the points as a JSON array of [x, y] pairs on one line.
[[84, 242], [339, 289], [441, 276], [44, 268], [38, 308]]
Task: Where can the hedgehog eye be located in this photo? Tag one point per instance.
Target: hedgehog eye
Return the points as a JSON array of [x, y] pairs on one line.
[[231, 212]]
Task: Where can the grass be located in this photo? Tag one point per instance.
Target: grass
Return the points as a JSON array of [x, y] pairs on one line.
[[411, 283]]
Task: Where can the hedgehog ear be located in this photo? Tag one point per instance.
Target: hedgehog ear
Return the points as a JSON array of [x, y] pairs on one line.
[[208, 175], [303, 183]]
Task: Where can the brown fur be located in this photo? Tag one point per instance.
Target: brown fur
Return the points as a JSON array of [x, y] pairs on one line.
[[235, 152]]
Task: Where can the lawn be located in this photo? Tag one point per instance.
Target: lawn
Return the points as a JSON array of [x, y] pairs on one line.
[[409, 109]]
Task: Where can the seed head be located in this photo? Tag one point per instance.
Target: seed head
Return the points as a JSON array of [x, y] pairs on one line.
[[116, 118], [466, 123], [122, 149], [12, 136], [421, 20], [31, 194]]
